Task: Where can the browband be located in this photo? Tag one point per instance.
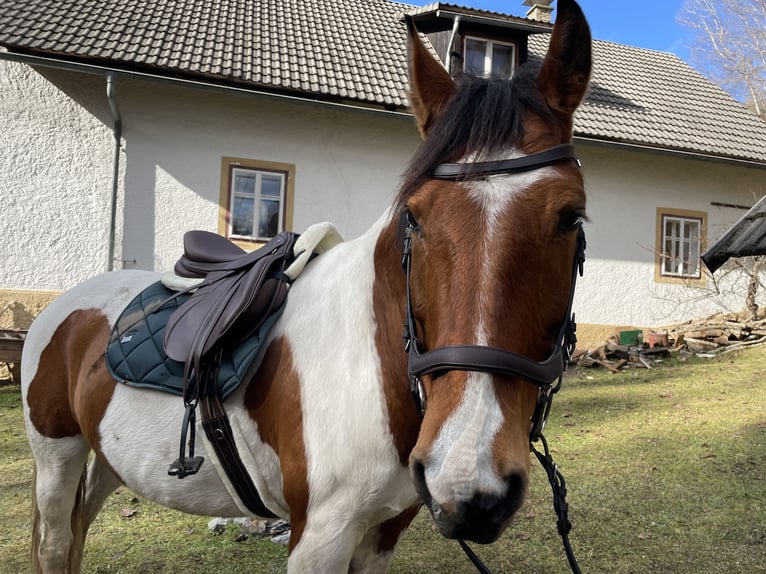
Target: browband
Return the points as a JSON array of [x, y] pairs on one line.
[[453, 171]]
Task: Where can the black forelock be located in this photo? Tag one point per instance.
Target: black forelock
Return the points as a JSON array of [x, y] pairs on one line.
[[484, 116]]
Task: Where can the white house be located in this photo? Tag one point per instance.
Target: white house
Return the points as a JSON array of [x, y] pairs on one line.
[[284, 114]]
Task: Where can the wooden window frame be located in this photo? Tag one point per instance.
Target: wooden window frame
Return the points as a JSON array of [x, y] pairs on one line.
[[228, 165], [490, 42], [660, 275]]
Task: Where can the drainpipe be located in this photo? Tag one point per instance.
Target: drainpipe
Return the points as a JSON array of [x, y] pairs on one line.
[[110, 96], [448, 55]]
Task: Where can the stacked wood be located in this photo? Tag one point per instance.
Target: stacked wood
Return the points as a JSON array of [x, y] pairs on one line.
[[614, 356], [719, 334], [708, 337]]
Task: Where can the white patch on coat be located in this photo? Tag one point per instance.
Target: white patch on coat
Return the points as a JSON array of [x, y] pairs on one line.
[[460, 461], [354, 473], [141, 429]]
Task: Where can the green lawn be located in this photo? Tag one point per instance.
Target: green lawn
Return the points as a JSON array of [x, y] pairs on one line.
[[666, 471]]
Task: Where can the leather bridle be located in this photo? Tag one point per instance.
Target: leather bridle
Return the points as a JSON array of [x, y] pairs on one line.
[[547, 375]]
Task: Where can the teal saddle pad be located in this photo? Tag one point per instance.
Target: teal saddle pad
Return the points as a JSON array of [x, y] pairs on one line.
[[135, 354]]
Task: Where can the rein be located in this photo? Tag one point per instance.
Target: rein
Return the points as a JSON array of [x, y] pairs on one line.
[[547, 375]]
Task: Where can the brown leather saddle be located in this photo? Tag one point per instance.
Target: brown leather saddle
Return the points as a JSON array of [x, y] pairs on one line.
[[239, 292]]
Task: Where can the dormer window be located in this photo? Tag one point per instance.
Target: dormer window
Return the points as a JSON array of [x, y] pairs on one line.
[[484, 57]]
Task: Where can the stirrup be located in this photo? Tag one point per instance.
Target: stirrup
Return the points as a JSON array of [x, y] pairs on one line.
[[185, 466]]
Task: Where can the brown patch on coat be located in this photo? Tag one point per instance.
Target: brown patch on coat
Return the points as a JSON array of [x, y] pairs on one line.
[[445, 268], [388, 298], [71, 388], [273, 400], [391, 529]]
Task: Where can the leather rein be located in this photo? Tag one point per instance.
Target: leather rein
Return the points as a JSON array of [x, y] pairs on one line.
[[547, 375]]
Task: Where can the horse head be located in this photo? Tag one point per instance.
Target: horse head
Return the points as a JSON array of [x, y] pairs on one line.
[[491, 266]]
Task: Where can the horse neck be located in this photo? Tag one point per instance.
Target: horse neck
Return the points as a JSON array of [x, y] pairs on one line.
[[389, 307]]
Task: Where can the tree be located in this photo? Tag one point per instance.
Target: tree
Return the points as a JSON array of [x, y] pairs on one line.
[[730, 46]]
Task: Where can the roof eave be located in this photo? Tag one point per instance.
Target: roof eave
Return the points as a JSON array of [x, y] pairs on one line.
[[666, 150], [449, 12], [199, 81]]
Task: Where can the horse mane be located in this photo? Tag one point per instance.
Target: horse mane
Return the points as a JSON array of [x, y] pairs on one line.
[[485, 115]]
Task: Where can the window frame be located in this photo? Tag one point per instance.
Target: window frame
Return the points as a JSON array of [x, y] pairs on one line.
[[229, 168], [489, 49], [684, 217]]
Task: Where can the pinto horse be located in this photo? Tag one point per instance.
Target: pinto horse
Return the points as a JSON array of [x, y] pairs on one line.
[[328, 428]]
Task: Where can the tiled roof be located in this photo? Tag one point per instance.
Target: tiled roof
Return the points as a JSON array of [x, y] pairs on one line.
[[344, 49], [355, 51], [654, 98]]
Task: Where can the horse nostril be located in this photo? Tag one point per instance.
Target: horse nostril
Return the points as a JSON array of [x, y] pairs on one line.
[[418, 471], [516, 490]]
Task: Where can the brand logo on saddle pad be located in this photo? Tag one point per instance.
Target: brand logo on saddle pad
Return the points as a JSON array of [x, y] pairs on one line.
[[127, 337]]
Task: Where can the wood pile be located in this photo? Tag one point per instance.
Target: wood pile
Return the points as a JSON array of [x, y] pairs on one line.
[[709, 337]]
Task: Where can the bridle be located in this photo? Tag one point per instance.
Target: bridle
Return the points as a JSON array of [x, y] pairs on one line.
[[547, 375]]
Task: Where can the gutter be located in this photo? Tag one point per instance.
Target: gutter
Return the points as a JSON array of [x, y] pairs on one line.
[[494, 21], [111, 89], [209, 86], [448, 55]]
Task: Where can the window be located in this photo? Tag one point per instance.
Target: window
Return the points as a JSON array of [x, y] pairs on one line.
[[488, 57], [256, 199], [680, 242]]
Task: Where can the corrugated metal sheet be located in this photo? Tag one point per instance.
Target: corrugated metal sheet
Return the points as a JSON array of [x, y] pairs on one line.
[[746, 237]]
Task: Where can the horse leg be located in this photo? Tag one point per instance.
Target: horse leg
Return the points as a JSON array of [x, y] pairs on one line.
[[322, 549], [374, 553], [101, 482], [58, 491], [352, 548]]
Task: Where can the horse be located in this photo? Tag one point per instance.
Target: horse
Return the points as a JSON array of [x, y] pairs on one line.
[[487, 217]]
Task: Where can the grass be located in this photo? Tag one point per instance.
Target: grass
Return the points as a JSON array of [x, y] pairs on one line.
[[666, 472]]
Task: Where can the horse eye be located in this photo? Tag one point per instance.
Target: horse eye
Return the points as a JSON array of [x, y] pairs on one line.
[[570, 220]]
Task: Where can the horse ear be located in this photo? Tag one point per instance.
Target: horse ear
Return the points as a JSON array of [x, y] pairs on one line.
[[564, 75], [431, 87]]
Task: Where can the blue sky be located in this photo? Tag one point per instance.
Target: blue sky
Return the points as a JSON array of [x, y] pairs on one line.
[[646, 24]]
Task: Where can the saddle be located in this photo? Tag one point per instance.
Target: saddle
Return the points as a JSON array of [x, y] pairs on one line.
[[200, 332], [239, 292]]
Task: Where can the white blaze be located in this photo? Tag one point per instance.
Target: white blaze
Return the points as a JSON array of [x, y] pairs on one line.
[[461, 461]]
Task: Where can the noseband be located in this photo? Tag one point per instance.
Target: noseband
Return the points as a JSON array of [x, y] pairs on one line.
[[546, 375]]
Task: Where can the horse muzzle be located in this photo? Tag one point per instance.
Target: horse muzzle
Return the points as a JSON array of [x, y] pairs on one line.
[[479, 517]]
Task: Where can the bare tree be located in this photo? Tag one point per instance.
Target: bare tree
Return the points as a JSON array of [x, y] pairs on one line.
[[730, 46]]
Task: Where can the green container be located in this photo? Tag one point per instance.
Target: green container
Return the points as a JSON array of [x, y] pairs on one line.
[[633, 337]]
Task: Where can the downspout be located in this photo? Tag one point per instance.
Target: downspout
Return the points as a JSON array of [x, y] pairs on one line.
[[110, 96], [448, 55]]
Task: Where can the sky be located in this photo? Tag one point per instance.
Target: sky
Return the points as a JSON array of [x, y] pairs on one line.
[[645, 24]]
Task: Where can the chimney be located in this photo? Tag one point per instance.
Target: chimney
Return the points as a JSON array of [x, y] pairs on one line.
[[540, 10]]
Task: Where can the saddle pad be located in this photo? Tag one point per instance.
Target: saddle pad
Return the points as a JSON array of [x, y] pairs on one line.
[[135, 354]]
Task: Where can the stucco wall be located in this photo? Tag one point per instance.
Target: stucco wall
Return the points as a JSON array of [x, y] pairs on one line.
[[55, 176], [624, 189], [347, 163], [56, 166]]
